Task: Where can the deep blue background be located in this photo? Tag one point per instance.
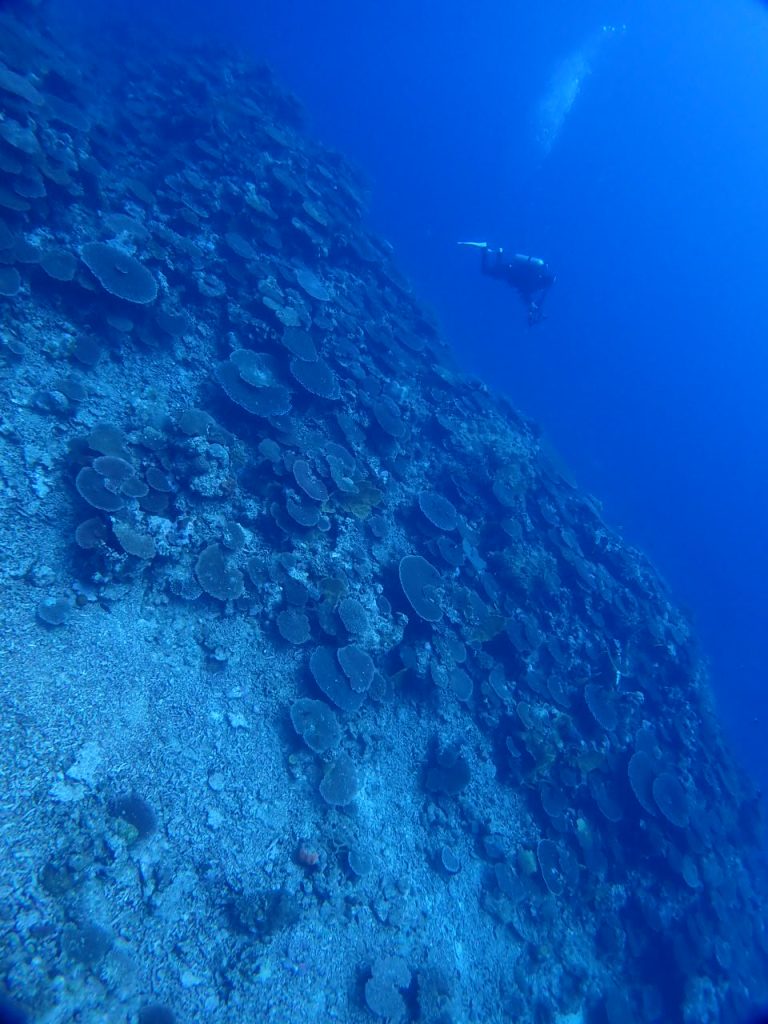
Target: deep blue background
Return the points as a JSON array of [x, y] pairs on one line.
[[651, 375]]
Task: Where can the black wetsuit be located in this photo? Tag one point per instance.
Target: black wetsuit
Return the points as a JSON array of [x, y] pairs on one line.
[[531, 277]]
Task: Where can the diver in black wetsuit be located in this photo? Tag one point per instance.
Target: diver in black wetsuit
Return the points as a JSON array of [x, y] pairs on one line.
[[528, 275]]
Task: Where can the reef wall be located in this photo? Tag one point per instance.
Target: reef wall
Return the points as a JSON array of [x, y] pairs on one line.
[[326, 696]]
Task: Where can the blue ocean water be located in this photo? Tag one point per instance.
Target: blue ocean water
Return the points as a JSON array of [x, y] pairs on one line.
[[262, 758]]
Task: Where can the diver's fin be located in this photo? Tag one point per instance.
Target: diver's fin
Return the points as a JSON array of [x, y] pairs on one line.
[[475, 245]]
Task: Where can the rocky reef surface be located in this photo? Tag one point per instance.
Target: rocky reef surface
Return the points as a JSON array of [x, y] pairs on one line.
[[326, 696]]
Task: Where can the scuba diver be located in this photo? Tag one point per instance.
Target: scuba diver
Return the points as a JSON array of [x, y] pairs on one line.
[[530, 276]]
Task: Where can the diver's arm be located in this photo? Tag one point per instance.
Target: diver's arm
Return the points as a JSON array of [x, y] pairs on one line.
[[492, 263]]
